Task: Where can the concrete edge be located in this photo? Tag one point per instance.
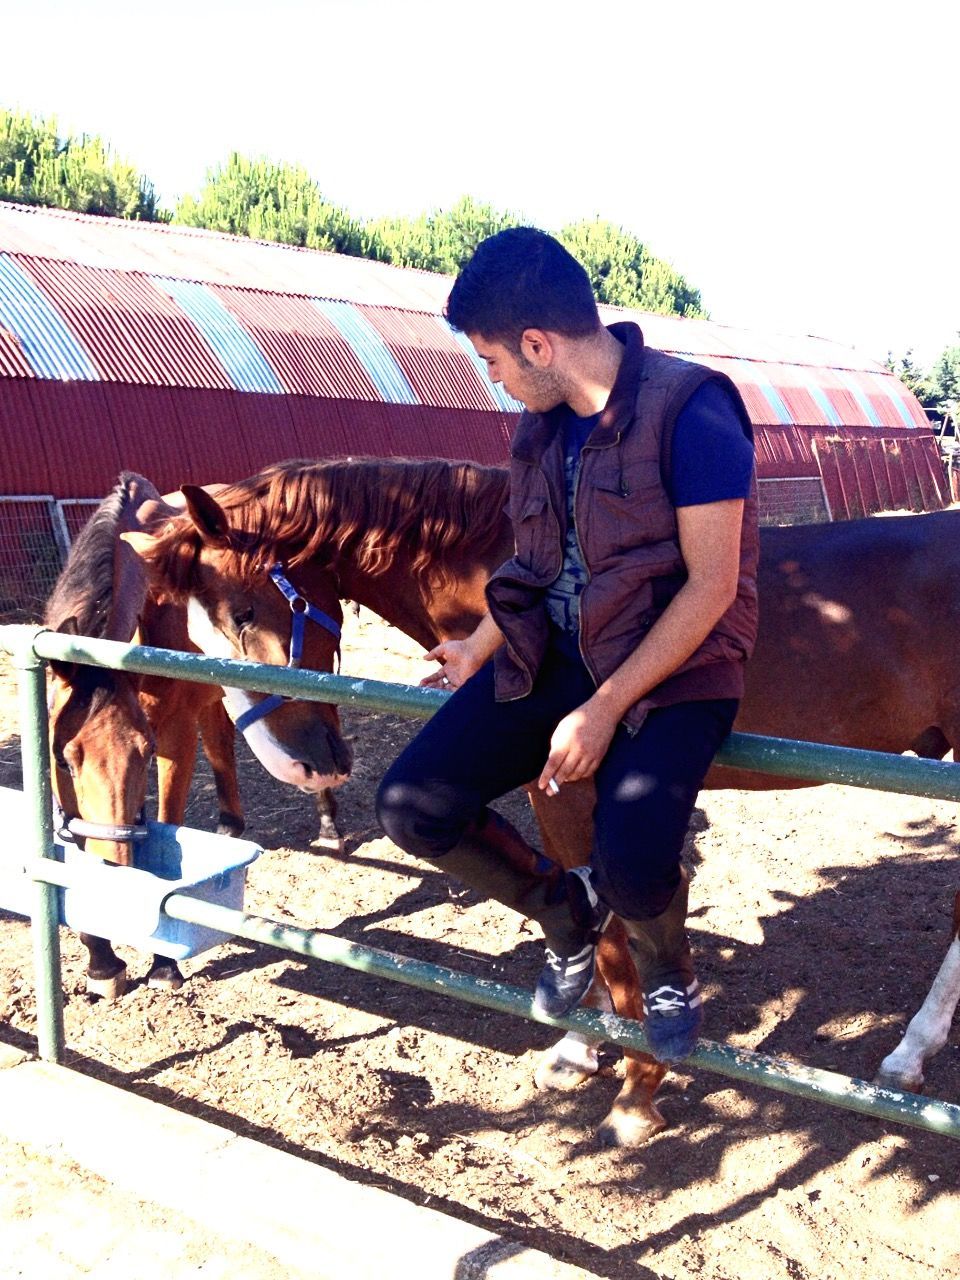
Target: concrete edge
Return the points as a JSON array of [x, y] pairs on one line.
[[308, 1217]]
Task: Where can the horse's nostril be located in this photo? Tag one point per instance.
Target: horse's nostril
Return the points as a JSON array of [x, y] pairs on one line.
[[307, 770]]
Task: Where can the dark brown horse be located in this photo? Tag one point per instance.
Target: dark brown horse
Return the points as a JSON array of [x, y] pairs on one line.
[[855, 645], [107, 726]]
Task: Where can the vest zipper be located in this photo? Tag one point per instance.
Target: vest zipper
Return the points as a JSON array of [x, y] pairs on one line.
[[576, 490], [510, 649]]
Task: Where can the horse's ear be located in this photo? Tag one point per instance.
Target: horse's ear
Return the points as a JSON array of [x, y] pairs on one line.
[[207, 515], [142, 543], [66, 670]]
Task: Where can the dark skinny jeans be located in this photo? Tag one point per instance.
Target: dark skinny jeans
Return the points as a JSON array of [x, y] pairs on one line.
[[475, 749]]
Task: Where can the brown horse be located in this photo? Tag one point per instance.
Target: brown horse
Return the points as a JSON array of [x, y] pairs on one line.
[[854, 647], [107, 726]]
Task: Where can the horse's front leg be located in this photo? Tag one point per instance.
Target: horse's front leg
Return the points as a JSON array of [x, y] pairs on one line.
[[218, 738], [106, 972], [328, 836], [177, 739], [566, 825], [930, 1025], [634, 1116]]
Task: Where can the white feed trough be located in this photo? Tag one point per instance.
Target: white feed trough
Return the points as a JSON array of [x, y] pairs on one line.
[[124, 904]]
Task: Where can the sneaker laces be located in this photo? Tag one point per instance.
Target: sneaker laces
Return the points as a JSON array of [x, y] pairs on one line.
[[666, 1000], [569, 963], [669, 1000]]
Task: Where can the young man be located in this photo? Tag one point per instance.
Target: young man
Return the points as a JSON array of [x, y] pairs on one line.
[[616, 637]]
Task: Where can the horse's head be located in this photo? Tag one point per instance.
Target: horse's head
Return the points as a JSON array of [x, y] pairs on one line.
[[237, 609], [101, 745]]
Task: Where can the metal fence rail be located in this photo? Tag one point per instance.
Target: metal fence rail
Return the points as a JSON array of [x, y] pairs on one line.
[[771, 755]]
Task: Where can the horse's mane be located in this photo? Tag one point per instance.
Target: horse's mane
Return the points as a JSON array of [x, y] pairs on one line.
[[364, 509], [84, 590]]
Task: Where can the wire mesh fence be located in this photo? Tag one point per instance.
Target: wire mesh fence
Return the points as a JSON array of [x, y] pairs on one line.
[[36, 532]]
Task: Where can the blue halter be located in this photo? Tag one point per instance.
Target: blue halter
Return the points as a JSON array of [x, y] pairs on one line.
[[302, 609]]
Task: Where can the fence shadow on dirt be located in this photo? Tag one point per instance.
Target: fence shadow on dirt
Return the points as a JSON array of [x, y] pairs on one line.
[[830, 981], [841, 969]]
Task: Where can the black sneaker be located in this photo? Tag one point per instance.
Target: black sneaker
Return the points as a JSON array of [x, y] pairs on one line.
[[568, 973], [673, 1013]]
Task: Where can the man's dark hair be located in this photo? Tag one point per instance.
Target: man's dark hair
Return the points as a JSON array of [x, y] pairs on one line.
[[521, 279]]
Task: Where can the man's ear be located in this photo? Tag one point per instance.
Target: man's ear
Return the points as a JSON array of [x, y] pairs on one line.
[[537, 347]]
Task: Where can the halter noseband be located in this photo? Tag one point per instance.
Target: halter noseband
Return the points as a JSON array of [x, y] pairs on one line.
[[69, 830], [302, 609]]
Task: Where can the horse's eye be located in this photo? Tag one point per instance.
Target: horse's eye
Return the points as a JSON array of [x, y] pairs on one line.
[[60, 760], [242, 618]]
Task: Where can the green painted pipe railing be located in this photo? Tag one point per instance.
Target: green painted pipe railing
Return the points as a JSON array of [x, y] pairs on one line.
[[782, 757]]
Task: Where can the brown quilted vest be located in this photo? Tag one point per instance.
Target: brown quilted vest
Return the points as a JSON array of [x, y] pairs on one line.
[[627, 529]]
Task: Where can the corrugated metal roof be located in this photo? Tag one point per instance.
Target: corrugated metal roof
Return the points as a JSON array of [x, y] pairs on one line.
[[13, 361], [50, 348], [213, 257], [368, 344], [246, 365], [310, 355], [435, 364], [132, 331]]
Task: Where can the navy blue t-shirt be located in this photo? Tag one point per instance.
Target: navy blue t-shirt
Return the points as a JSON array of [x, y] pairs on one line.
[[711, 461]]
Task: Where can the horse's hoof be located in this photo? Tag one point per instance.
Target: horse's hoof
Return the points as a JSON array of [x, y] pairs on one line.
[[332, 842], [113, 988], [230, 825], [166, 977], [897, 1082], [623, 1128], [566, 1066]]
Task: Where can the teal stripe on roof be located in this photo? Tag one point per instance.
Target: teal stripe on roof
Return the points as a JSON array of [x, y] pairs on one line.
[[245, 364], [501, 398], [901, 408], [48, 345], [860, 396], [753, 374], [370, 349], [822, 400]]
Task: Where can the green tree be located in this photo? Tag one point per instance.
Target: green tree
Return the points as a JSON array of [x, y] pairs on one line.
[[625, 274], [911, 375], [37, 166], [441, 240], [621, 270], [268, 201], [944, 381]]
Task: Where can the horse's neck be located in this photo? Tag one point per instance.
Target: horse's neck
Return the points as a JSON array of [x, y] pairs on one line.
[[427, 615]]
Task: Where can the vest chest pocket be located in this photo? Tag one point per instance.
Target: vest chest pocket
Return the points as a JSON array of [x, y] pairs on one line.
[[531, 523], [628, 508]]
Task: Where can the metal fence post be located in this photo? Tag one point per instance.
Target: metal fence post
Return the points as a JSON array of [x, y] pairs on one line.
[[34, 747]]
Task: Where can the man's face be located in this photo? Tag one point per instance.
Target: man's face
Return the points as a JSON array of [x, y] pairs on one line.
[[536, 387]]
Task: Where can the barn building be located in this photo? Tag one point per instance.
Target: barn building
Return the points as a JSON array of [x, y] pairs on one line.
[[190, 355]]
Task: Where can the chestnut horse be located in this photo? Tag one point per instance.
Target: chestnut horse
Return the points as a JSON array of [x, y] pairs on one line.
[[855, 644], [106, 726]]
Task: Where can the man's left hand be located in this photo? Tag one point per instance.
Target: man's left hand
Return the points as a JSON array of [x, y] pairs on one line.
[[578, 745]]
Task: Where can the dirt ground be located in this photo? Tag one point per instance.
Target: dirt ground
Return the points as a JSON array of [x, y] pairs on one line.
[[819, 918]]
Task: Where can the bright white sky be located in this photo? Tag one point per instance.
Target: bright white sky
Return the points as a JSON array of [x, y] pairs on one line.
[[797, 163]]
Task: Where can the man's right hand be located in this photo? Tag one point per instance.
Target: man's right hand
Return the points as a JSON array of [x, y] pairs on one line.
[[458, 662], [460, 659]]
